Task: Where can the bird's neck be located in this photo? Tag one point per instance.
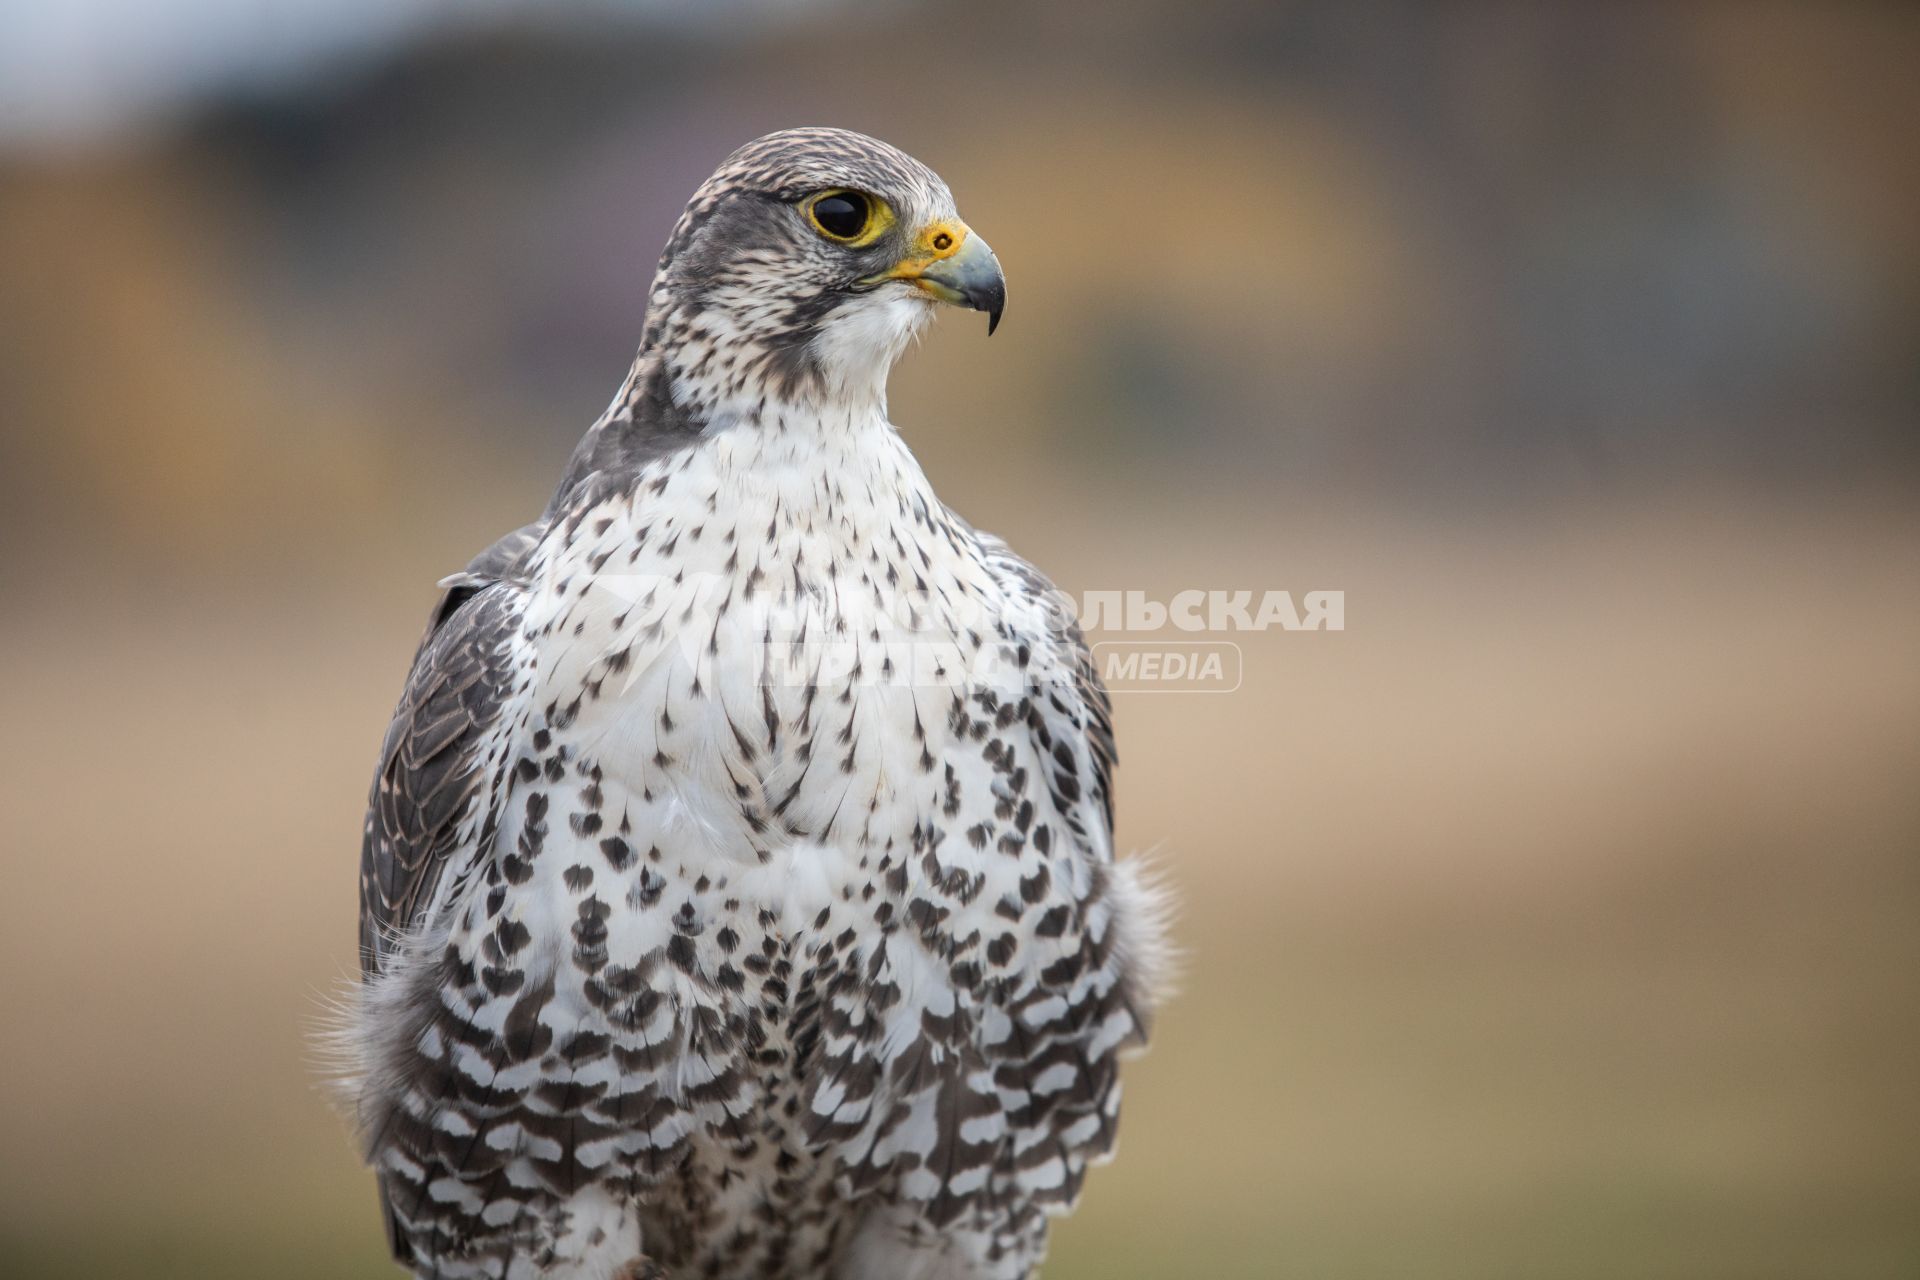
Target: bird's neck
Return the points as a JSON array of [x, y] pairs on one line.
[[712, 367], [802, 454], [664, 394]]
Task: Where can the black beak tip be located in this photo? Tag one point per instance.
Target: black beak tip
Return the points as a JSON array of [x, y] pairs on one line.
[[991, 299]]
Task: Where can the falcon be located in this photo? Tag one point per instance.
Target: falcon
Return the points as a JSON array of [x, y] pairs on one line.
[[738, 896]]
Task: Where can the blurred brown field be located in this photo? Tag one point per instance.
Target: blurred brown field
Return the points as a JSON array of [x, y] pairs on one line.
[[1557, 918]]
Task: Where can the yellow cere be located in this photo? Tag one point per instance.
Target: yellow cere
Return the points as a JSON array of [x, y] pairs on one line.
[[936, 242]]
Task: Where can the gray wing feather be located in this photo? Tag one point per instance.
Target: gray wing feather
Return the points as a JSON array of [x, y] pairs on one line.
[[443, 748]]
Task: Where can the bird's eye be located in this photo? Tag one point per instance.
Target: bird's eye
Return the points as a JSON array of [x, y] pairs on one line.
[[842, 215]]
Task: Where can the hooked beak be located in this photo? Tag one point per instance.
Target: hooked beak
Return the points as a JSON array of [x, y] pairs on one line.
[[949, 262]]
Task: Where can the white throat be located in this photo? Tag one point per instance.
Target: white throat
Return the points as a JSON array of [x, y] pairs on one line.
[[858, 350]]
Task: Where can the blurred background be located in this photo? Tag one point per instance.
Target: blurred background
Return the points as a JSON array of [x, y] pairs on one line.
[[1558, 918]]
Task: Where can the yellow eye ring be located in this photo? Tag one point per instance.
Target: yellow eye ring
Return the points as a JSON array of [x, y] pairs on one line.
[[849, 217]]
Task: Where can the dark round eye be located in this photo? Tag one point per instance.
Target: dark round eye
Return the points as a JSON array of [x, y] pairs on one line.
[[843, 214]]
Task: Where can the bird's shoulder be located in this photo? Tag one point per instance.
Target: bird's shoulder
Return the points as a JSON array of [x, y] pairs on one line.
[[645, 426]]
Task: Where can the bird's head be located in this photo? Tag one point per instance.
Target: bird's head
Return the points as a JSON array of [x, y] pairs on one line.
[[804, 267]]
